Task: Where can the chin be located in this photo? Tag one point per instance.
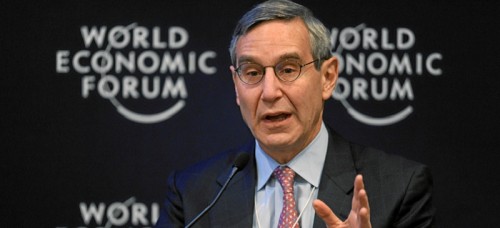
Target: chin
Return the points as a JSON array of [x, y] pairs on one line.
[[277, 140]]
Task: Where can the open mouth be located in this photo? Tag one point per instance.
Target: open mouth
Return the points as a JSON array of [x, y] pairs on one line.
[[278, 117]]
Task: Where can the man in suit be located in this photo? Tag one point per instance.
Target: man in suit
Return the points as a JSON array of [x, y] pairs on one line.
[[300, 172]]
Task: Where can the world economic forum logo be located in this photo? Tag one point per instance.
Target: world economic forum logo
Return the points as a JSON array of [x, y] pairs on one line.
[[376, 68], [135, 66]]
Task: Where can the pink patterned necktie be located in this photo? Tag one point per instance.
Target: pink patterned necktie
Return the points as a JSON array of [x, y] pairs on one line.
[[289, 214]]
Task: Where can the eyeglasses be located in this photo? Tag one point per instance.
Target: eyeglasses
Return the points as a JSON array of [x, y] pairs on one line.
[[287, 70]]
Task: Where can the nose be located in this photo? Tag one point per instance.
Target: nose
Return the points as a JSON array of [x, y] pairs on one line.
[[271, 86]]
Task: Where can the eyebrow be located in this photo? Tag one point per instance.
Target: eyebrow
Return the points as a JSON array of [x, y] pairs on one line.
[[247, 58], [244, 58]]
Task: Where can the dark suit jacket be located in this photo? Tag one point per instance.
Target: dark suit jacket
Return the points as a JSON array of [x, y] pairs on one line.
[[399, 190]]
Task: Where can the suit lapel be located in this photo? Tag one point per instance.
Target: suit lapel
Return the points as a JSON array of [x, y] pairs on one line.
[[337, 179]]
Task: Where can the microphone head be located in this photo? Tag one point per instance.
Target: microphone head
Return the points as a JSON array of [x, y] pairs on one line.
[[241, 160]]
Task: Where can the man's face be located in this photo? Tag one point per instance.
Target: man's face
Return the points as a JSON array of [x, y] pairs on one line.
[[283, 116]]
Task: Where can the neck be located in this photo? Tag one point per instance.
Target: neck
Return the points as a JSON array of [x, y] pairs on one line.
[[282, 157]]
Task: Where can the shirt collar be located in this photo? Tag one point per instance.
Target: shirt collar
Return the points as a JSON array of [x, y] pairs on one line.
[[308, 164]]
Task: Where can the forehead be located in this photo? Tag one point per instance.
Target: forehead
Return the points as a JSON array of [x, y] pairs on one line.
[[271, 40]]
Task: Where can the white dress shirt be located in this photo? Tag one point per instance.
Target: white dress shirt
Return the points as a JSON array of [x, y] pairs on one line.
[[308, 165]]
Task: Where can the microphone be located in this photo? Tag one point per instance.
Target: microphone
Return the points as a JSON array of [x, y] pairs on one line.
[[239, 163]]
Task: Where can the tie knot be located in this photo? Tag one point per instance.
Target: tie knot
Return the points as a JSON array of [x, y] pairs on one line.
[[285, 176]]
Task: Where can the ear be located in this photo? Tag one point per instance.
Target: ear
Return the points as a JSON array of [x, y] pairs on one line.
[[329, 73], [235, 80]]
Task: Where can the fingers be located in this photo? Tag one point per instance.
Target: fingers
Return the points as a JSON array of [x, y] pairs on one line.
[[360, 209], [358, 186], [358, 182], [325, 213], [364, 211], [360, 202], [364, 218]]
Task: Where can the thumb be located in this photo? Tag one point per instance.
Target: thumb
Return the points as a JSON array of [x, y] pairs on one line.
[[325, 213]]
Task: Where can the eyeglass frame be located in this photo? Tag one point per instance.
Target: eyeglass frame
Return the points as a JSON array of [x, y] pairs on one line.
[[263, 69]]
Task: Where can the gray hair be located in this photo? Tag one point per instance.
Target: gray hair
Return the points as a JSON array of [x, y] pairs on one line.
[[285, 10]]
